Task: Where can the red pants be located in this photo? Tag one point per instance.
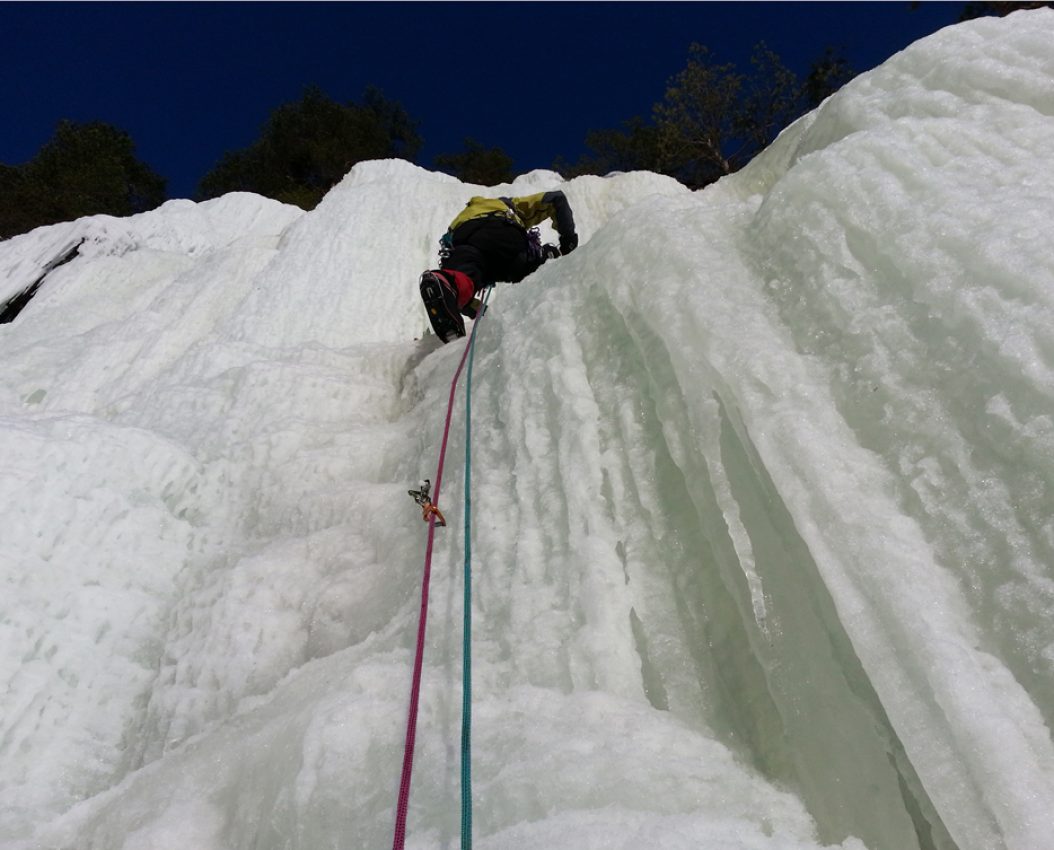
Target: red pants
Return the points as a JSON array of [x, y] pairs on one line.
[[463, 283]]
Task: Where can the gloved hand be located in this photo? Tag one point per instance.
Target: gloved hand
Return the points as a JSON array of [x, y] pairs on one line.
[[549, 252], [568, 243]]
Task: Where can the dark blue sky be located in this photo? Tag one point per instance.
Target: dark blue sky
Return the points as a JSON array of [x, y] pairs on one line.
[[189, 81]]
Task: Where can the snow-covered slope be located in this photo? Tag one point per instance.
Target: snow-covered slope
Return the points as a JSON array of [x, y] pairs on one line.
[[763, 547]]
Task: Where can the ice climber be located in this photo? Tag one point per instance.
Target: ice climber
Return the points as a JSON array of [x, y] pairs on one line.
[[492, 240]]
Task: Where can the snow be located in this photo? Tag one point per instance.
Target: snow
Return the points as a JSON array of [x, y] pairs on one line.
[[763, 546]]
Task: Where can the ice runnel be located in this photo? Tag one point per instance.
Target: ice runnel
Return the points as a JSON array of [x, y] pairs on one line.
[[14, 305], [790, 698]]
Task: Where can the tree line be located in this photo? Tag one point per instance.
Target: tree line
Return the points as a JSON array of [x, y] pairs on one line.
[[712, 119]]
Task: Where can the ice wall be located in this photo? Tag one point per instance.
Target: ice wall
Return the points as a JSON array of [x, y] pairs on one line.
[[763, 543]]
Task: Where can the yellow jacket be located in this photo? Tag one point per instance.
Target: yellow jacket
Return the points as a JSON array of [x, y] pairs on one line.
[[527, 211]]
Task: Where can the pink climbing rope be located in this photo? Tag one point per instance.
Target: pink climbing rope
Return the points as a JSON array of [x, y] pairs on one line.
[[415, 688]]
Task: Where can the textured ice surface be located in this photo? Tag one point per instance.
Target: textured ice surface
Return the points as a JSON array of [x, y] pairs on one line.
[[763, 547]]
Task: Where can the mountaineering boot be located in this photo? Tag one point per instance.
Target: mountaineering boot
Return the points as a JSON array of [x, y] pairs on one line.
[[440, 299]]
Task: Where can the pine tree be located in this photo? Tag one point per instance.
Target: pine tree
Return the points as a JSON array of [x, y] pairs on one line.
[[713, 118], [307, 147], [477, 164], [84, 169]]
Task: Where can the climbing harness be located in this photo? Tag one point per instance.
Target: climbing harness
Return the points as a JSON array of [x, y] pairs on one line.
[[427, 500], [535, 249], [446, 245]]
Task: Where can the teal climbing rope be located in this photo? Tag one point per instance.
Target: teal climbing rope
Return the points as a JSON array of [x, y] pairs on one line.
[[466, 653], [432, 515]]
